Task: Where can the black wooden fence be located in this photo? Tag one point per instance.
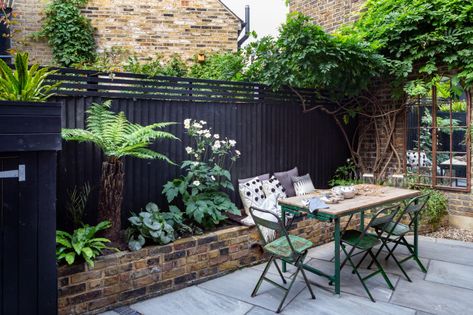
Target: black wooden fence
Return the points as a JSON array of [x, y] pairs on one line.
[[272, 132]]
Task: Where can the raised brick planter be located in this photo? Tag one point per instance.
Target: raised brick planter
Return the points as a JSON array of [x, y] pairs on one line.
[[126, 277]]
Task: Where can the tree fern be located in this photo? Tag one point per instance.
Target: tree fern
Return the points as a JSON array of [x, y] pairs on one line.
[[116, 136]]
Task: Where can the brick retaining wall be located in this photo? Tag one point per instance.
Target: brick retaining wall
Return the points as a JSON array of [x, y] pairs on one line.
[[127, 277]]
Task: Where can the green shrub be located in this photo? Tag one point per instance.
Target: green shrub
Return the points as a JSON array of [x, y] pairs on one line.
[[148, 224], [345, 175], [223, 66], [436, 207], [82, 243], [25, 83]]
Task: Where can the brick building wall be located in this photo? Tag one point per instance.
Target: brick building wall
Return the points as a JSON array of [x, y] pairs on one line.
[[146, 27], [331, 14]]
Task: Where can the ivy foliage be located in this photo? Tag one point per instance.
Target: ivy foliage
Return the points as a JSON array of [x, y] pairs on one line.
[[420, 38], [69, 33]]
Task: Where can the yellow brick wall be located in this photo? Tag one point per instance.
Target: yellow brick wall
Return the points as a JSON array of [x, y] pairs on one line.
[[330, 14], [146, 27]]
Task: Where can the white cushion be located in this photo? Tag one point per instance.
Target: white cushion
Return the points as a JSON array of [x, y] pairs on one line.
[[273, 186], [251, 194]]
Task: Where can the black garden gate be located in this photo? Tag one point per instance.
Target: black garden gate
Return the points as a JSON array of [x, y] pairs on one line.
[[29, 141]]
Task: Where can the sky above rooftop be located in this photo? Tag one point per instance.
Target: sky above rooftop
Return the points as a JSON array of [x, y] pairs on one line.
[[266, 15]]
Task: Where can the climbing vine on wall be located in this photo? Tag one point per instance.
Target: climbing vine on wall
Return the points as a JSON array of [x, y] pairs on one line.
[[68, 32], [421, 38]]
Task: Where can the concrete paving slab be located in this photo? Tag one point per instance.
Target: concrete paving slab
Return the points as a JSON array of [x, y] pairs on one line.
[[256, 310], [329, 304], [410, 266], [109, 313], [450, 273], [350, 282], [240, 284], [433, 297], [324, 252], [272, 269], [443, 252], [454, 243], [192, 301]]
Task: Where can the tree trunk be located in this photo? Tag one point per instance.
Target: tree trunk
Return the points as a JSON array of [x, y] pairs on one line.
[[111, 196]]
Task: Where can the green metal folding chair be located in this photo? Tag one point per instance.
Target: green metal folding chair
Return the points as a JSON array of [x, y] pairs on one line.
[[364, 242], [398, 231], [290, 248]]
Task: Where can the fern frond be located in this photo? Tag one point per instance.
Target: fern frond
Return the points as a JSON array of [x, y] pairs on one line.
[[145, 153], [118, 137]]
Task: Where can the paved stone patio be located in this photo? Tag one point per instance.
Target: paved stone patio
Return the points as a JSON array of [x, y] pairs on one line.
[[447, 288]]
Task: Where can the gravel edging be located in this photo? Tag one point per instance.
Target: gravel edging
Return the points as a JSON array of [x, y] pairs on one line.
[[452, 234]]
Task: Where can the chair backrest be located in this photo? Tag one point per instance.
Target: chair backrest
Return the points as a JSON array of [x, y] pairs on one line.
[[276, 224], [414, 207], [381, 218]]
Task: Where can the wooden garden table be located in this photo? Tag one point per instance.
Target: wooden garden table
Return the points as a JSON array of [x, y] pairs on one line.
[[348, 207]]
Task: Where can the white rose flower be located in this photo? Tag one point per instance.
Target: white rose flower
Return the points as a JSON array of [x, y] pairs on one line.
[[196, 125], [216, 136], [212, 177], [232, 142], [237, 152], [207, 135], [203, 122], [196, 183], [189, 150]]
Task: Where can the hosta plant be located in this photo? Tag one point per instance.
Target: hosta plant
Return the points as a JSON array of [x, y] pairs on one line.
[[24, 83], [117, 137], [149, 224], [207, 176], [81, 243]]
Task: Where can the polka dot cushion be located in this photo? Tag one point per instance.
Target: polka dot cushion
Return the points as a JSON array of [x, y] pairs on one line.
[[273, 186], [251, 194]]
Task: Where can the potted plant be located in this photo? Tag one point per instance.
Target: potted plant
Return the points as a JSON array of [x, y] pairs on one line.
[[6, 7], [26, 125]]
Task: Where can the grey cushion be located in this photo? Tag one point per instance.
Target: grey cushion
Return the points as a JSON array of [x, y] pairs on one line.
[[285, 178], [260, 177]]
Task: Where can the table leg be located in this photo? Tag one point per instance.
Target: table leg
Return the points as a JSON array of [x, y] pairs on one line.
[[283, 218], [337, 255]]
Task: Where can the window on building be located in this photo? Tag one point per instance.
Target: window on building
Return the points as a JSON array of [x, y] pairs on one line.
[[438, 142]]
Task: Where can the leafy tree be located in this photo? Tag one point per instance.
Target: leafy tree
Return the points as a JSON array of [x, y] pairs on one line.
[[117, 138], [420, 37], [304, 56]]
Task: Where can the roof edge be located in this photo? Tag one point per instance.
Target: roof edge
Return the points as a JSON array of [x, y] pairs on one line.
[[231, 11]]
